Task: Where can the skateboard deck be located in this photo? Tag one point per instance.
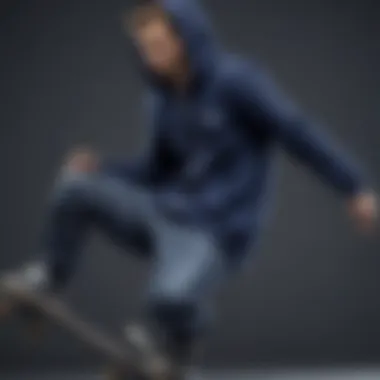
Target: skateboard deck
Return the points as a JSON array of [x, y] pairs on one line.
[[122, 359]]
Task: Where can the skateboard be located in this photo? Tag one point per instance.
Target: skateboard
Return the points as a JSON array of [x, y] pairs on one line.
[[123, 362]]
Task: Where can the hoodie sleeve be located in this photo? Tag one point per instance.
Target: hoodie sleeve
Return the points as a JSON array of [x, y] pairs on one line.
[[144, 169], [263, 110], [138, 170]]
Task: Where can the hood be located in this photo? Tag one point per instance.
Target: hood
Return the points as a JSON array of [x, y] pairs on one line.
[[192, 24]]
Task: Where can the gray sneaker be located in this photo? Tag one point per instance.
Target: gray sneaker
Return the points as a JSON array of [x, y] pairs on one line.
[[28, 281], [32, 277], [155, 362]]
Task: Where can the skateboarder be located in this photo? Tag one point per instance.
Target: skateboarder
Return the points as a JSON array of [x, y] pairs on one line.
[[195, 202]]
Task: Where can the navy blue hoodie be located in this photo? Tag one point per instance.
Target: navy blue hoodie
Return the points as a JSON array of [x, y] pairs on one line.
[[209, 162]]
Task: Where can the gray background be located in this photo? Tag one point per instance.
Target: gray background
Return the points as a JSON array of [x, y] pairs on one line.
[[311, 295]]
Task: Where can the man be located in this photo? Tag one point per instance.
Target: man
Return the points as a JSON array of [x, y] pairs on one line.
[[199, 195]]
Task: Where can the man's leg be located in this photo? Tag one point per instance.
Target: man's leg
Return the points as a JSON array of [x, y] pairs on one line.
[[81, 201], [187, 271]]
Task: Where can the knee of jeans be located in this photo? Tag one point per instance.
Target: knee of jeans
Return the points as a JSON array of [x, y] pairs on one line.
[[72, 188]]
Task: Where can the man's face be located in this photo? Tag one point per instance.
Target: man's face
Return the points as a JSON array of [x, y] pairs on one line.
[[160, 47]]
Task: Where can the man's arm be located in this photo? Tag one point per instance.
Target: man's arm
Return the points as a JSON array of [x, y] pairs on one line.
[[141, 170], [264, 110]]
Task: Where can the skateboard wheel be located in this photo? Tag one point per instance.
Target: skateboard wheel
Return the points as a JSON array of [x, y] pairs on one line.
[[35, 330], [6, 308], [7, 305], [113, 373]]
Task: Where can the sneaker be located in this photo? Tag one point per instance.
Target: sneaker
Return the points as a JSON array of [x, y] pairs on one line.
[[29, 278], [155, 363]]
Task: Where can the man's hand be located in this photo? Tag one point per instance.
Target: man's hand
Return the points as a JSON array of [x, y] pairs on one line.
[[81, 160], [363, 208]]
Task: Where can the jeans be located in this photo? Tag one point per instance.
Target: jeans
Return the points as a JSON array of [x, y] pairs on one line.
[[187, 265]]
